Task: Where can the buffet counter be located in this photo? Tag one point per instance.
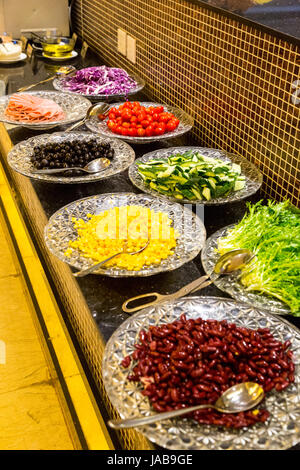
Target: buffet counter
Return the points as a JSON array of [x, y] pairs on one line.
[[90, 307]]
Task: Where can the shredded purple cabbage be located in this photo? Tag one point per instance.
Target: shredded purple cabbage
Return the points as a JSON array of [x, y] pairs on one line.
[[100, 81]]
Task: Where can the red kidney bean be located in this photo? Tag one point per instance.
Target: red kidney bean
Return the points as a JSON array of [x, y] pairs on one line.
[[193, 361], [260, 377], [197, 373], [287, 344], [126, 361], [291, 367], [230, 357], [281, 385], [262, 363]]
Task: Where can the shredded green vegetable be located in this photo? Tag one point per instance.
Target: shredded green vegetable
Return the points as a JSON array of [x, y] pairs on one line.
[[272, 232]]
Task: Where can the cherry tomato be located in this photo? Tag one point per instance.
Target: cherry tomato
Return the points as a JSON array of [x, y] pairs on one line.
[[141, 132], [132, 132], [149, 130], [110, 124], [164, 117], [133, 119], [141, 117], [171, 125], [175, 120], [159, 130], [126, 115]]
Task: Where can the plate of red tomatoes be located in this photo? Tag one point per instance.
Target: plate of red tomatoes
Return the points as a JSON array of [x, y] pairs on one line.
[[141, 122]]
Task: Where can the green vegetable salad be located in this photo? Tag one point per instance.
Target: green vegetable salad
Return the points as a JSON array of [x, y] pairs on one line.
[[192, 176], [272, 232]]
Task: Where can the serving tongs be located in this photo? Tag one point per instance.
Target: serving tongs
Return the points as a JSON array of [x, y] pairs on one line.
[[230, 263], [64, 70]]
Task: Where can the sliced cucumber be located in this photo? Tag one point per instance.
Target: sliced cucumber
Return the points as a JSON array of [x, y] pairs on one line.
[[192, 176]]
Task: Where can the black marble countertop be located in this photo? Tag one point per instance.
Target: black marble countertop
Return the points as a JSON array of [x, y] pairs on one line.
[[281, 16], [104, 295]]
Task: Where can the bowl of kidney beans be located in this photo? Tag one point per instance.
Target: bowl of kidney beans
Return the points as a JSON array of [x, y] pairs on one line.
[[68, 154], [191, 362]]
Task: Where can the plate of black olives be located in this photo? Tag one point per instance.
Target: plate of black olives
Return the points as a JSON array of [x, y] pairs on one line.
[[68, 150]]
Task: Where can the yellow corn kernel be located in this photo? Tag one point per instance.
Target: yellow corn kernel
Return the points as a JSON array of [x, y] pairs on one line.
[[105, 234]]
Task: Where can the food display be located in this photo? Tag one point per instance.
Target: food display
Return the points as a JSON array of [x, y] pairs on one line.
[[272, 233], [105, 234], [69, 154], [173, 354], [25, 107], [193, 361], [99, 81], [42, 109], [141, 122], [170, 246], [10, 51], [134, 120], [192, 176], [66, 150]]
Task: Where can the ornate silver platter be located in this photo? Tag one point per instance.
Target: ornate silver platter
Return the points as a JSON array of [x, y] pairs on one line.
[[60, 230], [252, 174], [280, 431], [75, 108], [19, 157], [60, 84], [231, 285], [186, 123]]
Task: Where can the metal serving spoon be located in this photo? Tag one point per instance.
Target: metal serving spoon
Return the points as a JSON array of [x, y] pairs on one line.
[[240, 397], [230, 263], [96, 108], [84, 272], [95, 166], [64, 70]]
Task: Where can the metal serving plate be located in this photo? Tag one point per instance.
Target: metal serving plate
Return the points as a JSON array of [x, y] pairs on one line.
[[75, 108], [280, 431], [253, 177], [231, 285], [186, 124], [60, 85], [60, 230], [19, 157]]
